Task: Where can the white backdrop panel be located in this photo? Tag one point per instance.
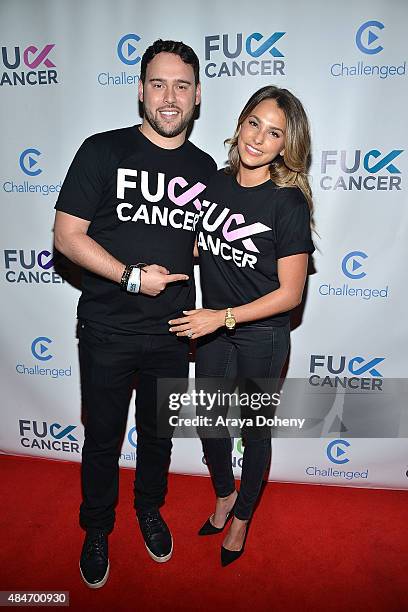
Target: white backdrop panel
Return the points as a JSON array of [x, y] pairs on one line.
[[359, 135]]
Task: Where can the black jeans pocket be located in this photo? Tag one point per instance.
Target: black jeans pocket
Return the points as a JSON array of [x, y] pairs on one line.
[[88, 333]]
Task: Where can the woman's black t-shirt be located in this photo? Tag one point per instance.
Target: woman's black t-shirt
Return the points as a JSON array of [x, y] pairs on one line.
[[142, 204], [242, 232]]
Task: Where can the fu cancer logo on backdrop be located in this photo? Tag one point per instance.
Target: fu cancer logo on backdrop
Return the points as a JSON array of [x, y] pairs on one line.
[[256, 54], [28, 65], [43, 435], [345, 371], [354, 280], [126, 56], [30, 165], [376, 169], [371, 56], [30, 267]]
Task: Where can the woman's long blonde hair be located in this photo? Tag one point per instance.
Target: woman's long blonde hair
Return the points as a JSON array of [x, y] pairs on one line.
[[291, 169]]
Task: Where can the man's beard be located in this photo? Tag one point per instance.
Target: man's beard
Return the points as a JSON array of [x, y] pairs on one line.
[[168, 131]]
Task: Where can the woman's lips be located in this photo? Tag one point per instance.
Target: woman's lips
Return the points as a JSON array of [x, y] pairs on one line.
[[252, 151]]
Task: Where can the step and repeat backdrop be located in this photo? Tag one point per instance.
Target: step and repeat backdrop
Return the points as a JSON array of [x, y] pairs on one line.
[[70, 69]]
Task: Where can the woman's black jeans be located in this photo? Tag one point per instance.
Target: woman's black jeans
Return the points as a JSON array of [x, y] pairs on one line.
[[252, 351]]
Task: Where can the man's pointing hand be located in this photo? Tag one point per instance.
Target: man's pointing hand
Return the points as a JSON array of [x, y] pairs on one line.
[[154, 279]]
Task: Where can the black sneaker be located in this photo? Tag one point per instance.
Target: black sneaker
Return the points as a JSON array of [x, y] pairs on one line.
[[94, 562], [157, 536]]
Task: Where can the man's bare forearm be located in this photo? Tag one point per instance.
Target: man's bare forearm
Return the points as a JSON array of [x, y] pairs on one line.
[[85, 252]]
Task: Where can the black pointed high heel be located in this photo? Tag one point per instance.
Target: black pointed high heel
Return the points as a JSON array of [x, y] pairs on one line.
[[229, 556], [209, 529]]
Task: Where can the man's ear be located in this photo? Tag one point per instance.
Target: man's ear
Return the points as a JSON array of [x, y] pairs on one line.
[[198, 94], [140, 90]]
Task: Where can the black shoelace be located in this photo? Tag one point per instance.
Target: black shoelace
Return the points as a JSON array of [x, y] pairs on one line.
[[154, 524], [96, 545]]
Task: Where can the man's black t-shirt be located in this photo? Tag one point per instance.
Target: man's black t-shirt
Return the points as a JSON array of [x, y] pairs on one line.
[[142, 204], [242, 233]]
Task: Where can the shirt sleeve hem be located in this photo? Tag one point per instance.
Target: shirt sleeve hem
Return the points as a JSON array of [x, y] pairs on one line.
[[74, 213], [296, 249]]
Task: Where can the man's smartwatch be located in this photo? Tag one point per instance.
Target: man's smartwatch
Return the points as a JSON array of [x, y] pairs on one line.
[[230, 321]]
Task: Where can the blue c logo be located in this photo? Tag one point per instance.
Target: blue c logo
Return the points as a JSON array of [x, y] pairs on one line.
[[371, 37], [268, 45], [367, 367], [334, 451], [130, 437], [350, 260], [39, 348], [45, 260], [384, 162], [28, 161], [63, 433], [127, 55]]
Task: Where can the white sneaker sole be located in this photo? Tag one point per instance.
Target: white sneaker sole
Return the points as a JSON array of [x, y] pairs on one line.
[[161, 559], [98, 585]]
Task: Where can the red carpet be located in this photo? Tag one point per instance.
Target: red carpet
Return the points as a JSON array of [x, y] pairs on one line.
[[309, 547]]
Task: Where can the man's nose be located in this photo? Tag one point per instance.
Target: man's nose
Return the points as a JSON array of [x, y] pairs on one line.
[[170, 96]]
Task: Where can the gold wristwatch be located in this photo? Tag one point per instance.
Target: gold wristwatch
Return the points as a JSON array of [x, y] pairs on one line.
[[229, 319]]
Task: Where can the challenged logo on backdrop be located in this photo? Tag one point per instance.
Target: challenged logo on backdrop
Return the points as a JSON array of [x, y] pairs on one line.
[[39, 349], [243, 55], [20, 66], [29, 164], [337, 452], [354, 266], [127, 53], [366, 35], [368, 39], [351, 262]]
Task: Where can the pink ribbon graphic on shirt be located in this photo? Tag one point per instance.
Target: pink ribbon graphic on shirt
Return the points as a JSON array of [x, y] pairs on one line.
[[242, 232], [187, 196], [40, 57]]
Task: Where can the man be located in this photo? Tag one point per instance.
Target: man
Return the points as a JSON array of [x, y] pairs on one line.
[[131, 196]]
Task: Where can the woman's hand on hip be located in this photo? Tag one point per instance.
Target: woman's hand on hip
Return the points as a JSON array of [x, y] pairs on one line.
[[197, 323]]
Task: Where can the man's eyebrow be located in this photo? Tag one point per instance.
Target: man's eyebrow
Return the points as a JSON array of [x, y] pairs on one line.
[[165, 80], [270, 127]]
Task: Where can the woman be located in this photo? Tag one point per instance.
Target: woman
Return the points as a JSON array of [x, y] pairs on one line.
[[254, 240]]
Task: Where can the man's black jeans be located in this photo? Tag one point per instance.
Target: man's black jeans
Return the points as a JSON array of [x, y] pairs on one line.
[[253, 351], [109, 363]]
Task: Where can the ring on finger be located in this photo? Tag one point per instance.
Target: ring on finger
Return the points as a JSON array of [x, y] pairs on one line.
[[189, 333]]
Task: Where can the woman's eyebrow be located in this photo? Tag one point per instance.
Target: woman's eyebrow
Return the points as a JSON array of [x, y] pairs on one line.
[[272, 127]]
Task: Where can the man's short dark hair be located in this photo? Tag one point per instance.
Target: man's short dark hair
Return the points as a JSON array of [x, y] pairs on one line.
[[185, 52]]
